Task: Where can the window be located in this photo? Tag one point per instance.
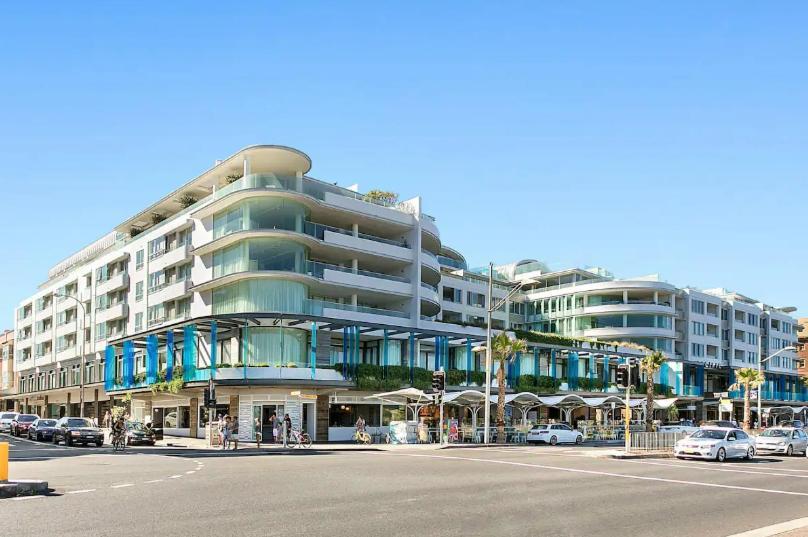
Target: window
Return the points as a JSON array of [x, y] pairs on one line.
[[697, 349], [476, 299], [697, 306], [138, 291], [139, 255], [698, 328], [138, 321], [751, 338], [450, 294]]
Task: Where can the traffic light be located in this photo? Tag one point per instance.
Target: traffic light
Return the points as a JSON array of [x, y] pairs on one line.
[[438, 381], [622, 376]]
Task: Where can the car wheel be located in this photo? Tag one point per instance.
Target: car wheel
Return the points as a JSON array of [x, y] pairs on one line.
[[750, 453], [721, 456], [553, 440]]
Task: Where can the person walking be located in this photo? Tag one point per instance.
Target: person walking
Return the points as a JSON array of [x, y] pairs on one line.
[[107, 419], [276, 424], [234, 432], [258, 432], [223, 426], [287, 429]]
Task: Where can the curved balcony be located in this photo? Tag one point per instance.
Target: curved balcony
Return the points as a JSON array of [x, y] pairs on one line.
[[430, 262], [430, 236], [430, 301], [628, 331]]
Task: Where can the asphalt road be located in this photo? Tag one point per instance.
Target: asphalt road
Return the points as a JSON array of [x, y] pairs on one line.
[[525, 491]]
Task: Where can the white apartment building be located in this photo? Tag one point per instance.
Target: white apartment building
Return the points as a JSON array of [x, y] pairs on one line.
[[294, 295]]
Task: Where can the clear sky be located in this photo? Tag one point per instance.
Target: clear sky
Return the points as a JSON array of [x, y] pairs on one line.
[[666, 138]]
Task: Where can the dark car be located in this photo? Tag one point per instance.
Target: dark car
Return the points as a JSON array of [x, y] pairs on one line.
[[42, 429], [20, 425], [797, 424], [137, 433], [77, 431]]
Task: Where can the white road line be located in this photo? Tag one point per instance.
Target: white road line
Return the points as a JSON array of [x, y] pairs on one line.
[[79, 491], [174, 476], [778, 473], [775, 529], [191, 472], [605, 474], [154, 481], [712, 464], [122, 485], [22, 498]]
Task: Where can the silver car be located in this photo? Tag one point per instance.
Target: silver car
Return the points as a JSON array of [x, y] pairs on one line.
[[782, 440], [716, 443], [6, 419]]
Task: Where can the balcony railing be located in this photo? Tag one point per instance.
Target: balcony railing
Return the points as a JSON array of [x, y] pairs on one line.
[[318, 268], [429, 286]]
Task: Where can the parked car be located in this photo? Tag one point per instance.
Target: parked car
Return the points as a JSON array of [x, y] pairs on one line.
[[720, 423], [716, 443], [20, 425], [557, 433], [137, 433], [5, 421], [784, 440], [77, 431], [42, 429], [797, 424], [684, 426]]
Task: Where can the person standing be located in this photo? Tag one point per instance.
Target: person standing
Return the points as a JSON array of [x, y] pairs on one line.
[[223, 426], [275, 422], [107, 419], [287, 429]]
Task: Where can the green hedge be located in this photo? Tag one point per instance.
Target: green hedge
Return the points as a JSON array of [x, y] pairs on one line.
[[541, 384]]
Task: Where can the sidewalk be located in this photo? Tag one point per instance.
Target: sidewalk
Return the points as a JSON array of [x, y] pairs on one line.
[[250, 447]]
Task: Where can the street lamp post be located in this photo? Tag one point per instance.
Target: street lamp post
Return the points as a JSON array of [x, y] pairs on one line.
[[490, 308], [83, 347], [761, 360]]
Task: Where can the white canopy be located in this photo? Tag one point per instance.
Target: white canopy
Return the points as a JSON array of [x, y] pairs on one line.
[[466, 397], [664, 404], [403, 396], [600, 402]]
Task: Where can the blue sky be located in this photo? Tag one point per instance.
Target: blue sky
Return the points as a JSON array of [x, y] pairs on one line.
[[642, 138]]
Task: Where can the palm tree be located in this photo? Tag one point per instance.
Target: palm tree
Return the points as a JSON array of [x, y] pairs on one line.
[[650, 364], [748, 378], [504, 349]]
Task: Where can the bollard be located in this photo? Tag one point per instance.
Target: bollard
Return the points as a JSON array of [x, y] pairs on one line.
[[3, 462]]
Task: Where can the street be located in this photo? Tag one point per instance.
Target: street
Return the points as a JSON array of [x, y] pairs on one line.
[[560, 490]]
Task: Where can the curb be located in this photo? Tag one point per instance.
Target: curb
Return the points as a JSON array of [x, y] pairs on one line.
[[661, 455]]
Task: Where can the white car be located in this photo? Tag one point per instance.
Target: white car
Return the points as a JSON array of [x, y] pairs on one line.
[[557, 433], [6, 419], [782, 440], [716, 443], [678, 428]]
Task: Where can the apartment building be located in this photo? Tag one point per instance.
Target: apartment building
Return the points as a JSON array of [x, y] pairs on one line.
[[8, 381], [294, 295]]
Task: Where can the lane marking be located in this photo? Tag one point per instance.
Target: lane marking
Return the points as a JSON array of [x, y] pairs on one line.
[[122, 485], [23, 498], [778, 474], [175, 476], [153, 481], [600, 473], [191, 472], [775, 529], [79, 491]]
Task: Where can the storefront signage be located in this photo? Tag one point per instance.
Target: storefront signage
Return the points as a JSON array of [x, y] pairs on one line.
[[294, 409], [245, 419]]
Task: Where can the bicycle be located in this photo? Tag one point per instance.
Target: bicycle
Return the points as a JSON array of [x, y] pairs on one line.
[[118, 442], [299, 439], [362, 437]]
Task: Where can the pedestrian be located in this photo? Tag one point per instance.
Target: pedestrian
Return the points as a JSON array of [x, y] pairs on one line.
[[223, 430], [258, 433], [234, 432], [275, 428], [287, 429], [107, 419]]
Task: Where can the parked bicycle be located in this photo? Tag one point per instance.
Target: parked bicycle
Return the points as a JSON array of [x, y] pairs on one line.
[[299, 439]]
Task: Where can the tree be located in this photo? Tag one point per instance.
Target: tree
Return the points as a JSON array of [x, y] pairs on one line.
[[650, 364], [748, 378], [382, 197], [504, 349]]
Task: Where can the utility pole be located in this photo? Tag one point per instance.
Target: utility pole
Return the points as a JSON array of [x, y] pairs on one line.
[[627, 416]]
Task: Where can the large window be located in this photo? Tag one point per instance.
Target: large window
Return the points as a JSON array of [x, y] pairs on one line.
[[260, 255], [346, 415], [264, 213], [260, 296], [697, 306], [698, 328], [271, 346]]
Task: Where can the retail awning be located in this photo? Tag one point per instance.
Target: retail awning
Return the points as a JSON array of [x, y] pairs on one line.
[[664, 404], [466, 397], [403, 396]]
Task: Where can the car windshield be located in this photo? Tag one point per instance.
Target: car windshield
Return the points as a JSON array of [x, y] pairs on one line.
[[779, 433], [135, 426], [709, 434], [47, 423], [26, 418], [7, 416], [79, 422]]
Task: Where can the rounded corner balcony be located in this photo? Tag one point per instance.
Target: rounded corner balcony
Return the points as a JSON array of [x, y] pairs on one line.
[[430, 300], [279, 158], [451, 259]]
